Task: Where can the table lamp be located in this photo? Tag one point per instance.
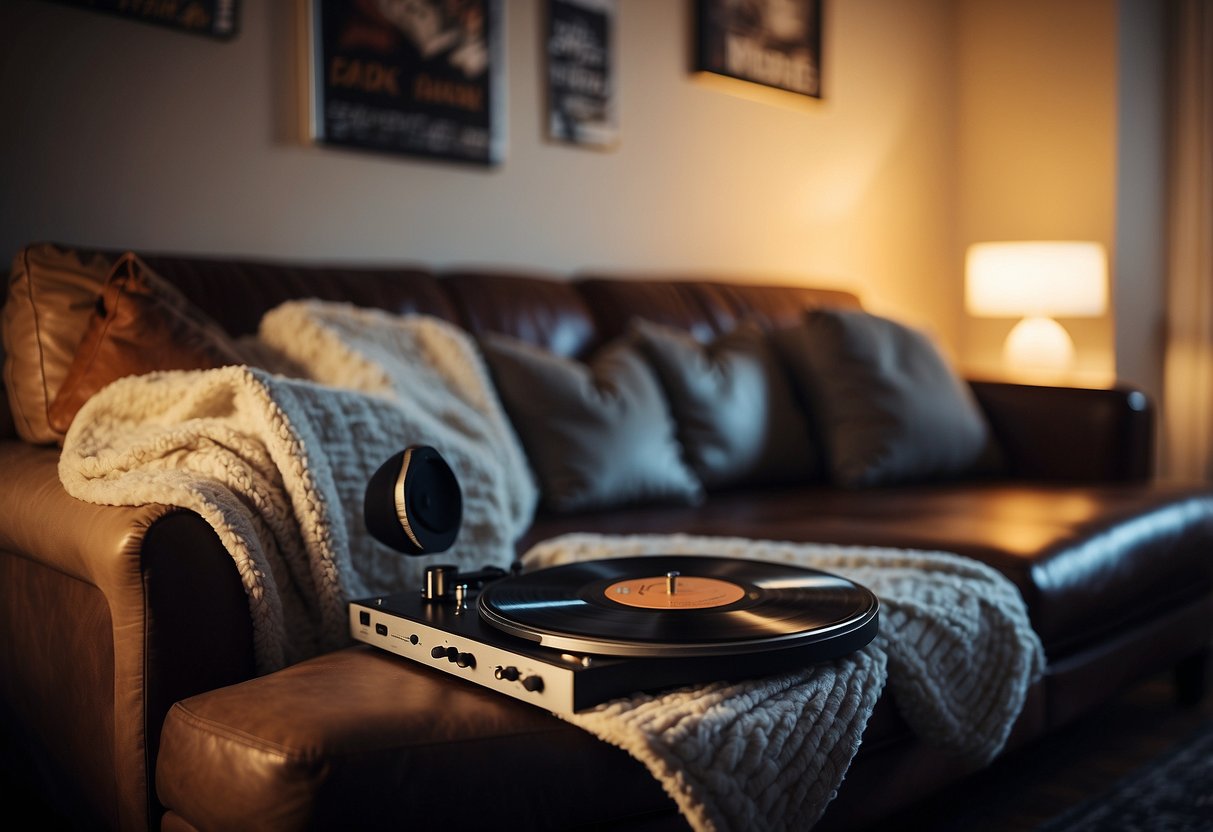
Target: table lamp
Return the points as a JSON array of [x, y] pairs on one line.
[[1036, 281]]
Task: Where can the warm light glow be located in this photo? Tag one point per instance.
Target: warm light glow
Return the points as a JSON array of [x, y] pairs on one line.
[[1040, 346], [1037, 280]]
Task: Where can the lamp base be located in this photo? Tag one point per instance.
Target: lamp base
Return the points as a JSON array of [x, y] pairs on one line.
[[1039, 348]]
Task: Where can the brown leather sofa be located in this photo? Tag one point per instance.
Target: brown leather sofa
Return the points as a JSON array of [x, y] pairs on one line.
[[111, 615]]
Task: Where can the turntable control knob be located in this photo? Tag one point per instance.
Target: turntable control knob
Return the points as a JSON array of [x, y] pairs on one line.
[[533, 683], [448, 653], [438, 581], [510, 673], [465, 660]]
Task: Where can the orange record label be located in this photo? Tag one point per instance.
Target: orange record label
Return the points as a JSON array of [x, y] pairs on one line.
[[689, 593]]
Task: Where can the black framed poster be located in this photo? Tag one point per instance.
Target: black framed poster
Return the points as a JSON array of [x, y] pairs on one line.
[[214, 18], [416, 77], [581, 90], [776, 43]]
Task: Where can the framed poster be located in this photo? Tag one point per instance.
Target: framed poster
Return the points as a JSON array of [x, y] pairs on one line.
[[776, 43], [415, 77], [580, 60], [215, 18]]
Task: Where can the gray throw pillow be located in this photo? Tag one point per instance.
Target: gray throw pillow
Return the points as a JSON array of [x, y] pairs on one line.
[[737, 416], [887, 404], [598, 435]]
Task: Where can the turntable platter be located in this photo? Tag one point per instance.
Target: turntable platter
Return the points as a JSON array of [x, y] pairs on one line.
[[678, 606]]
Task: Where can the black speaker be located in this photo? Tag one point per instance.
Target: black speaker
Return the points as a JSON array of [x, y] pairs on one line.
[[413, 502]]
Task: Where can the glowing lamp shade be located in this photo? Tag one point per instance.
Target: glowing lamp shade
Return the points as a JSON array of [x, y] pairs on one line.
[[1037, 281]]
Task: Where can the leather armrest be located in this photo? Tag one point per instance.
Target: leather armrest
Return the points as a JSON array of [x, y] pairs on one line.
[[42, 522], [179, 614], [162, 569], [1071, 433]]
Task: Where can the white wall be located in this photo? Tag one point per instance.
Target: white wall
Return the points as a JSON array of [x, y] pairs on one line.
[[124, 134]]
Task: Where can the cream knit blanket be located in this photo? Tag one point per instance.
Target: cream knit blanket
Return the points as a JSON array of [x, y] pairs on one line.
[[278, 464], [955, 647]]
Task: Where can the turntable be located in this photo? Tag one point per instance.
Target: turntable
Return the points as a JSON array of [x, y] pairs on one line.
[[566, 638]]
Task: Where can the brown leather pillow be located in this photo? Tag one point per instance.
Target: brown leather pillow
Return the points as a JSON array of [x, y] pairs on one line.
[[140, 324], [51, 292]]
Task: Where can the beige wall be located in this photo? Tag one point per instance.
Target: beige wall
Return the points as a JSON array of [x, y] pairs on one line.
[[132, 135], [1037, 118], [944, 122]]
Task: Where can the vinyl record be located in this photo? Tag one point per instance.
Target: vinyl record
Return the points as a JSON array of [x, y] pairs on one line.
[[677, 605]]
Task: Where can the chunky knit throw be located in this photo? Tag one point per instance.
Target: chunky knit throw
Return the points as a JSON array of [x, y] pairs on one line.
[[278, 465], [955, 647]]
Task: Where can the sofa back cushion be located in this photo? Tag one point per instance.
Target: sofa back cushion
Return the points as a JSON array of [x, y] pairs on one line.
[[693, 306], [540, 310], [237, 293], [704, 308], [774, 307], [53, 288], [51, 292]]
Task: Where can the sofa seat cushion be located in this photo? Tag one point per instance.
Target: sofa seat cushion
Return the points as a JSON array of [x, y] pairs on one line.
[[1089, 560], [360, 737]]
